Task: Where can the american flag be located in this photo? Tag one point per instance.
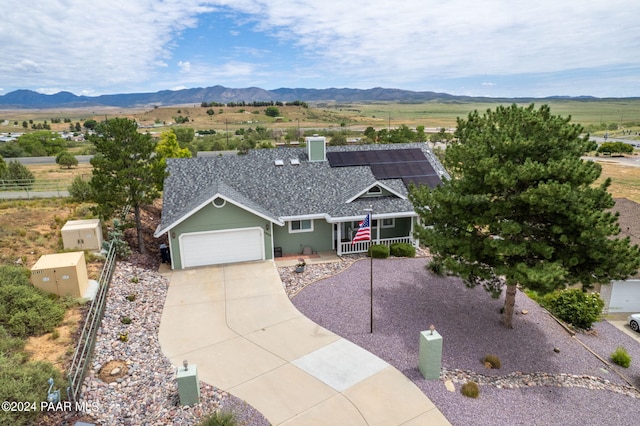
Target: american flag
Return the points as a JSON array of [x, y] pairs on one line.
[[364, 231]]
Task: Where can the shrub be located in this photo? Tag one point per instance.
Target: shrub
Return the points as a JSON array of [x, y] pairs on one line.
[[378, 251], [403, 250], [621, 357], [66, 159], [18, 175], [116, 237], [24, 309], [219, 419], [131, 297], [470, 390], [575, 306], [80, 189], [26, 381], [436, 267], [492, 361], [125, 320]]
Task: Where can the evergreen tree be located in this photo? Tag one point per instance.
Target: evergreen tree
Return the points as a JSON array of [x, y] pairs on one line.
[[521, 208], [126, 170]]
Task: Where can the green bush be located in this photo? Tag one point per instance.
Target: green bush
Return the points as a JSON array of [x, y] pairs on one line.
[[492, 360], [575, 306], [378, 251], [219, 418], [403, 250], [80, 189], [470, 389], [24, 309], [22, 380], [621, 357]]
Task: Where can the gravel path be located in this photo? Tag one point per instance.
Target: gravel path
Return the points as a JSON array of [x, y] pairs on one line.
[[547, 377]]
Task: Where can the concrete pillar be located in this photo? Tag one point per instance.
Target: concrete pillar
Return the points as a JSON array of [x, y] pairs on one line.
[[188, 386], [430, 354]]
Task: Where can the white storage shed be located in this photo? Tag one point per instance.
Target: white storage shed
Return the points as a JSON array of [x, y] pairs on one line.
[[82, 234]]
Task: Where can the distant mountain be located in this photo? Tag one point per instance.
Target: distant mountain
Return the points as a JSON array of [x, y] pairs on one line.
[[30, 99]]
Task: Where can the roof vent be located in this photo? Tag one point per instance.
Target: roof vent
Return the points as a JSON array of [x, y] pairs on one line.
[[279, 162], [295, 162]]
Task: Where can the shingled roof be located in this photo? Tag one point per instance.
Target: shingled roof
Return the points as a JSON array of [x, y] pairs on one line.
[[281, 192]]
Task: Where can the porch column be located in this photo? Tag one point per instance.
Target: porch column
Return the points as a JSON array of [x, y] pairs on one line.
[[416, 243], [339, 239]]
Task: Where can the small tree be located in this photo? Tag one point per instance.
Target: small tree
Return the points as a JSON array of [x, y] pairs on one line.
[[272, 111], [66, 159], [80, 189], [19, 175], [126, 170], [338, 139], [616, 148]]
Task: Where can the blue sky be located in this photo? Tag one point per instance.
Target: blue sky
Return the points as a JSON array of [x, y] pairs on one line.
[[490, 48]]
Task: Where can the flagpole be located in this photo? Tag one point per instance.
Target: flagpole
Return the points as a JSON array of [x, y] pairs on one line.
[[370, 213]]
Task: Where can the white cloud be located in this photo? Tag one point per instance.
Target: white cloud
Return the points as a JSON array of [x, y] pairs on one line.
[[28, 66], [488, 84], [117, 45], [48, 90], [414, 40], [101, 44]]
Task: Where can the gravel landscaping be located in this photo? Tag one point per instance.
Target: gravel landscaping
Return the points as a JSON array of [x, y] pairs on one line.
[[547, 377]]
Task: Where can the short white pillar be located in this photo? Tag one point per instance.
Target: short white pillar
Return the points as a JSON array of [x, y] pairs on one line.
[[430, 354]]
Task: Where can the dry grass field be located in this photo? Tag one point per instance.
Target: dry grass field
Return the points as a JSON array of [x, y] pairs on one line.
[[355, 116]]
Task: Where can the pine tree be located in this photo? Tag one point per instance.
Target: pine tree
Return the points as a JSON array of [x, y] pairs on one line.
[[522, 208], [126, 170]]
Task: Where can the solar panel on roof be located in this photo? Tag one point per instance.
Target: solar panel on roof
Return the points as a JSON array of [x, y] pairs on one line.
[[410, 165]]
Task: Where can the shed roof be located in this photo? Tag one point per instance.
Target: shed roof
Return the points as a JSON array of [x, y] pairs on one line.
[[58, 260]]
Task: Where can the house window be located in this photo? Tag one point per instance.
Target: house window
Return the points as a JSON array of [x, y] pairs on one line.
[[301, 226], [389, 223], [375, 190], [219, 202]]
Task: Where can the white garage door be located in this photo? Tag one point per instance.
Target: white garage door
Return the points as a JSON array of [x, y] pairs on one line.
[[625, 296], [216, 247]]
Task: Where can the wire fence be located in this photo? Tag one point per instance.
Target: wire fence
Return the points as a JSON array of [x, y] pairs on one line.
[[86, 342], [34, 188]]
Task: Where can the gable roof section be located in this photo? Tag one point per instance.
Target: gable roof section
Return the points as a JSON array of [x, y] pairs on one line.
[[381, 185], [255, 183]]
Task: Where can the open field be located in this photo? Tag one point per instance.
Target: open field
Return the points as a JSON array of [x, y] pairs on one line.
[[355, 116], [625, 180]]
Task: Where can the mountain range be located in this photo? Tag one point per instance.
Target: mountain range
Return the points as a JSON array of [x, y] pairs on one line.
[[29, 99]]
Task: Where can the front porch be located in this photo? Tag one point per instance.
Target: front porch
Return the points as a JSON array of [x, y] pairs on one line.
[[347, 247], [384, 230]]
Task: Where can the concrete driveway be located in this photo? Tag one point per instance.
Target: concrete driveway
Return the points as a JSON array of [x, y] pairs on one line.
[[237, 325]]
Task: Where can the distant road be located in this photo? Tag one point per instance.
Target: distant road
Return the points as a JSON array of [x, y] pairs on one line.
[[46, 160]]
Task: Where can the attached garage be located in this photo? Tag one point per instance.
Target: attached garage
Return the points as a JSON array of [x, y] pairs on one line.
[[625, 296], [218, 247]]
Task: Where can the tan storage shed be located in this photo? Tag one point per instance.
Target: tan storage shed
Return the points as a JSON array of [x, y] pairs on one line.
[[82, 234], [62, 274]]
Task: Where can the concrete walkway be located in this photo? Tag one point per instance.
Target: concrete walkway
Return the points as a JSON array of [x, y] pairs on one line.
[[237, 325]]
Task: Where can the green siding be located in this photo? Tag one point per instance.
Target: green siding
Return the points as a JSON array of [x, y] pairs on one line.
[[318, 240], [402, 228], [316, 149], [211, 218]]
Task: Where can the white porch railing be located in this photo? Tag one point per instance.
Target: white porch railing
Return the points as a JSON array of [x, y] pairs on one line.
[[363, 246]]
